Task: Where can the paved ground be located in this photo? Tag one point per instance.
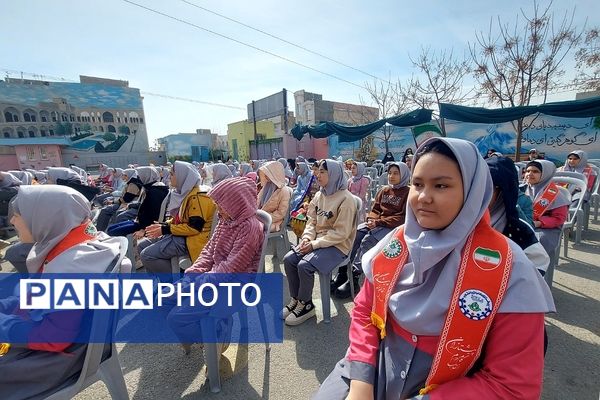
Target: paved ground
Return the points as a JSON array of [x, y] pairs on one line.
[[295, 368]]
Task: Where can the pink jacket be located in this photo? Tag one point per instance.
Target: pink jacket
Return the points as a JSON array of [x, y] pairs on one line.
[[236, 244]]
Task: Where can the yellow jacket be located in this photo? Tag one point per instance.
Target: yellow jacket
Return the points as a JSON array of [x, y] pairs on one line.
[[195, 204]]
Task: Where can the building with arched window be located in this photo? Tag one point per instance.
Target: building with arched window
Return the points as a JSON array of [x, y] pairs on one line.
[[80, 123]]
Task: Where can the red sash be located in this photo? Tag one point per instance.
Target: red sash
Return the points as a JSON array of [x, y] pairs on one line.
[[543, 202], [480, 286], [81, 234]]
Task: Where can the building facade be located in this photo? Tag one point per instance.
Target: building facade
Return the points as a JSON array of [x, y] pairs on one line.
[[240, 135], [82, 123], [312, 109]]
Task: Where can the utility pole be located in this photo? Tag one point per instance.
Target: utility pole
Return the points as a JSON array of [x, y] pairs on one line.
[[255, 134]]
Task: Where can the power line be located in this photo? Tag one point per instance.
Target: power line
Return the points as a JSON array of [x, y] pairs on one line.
[[166, 96], [284, 40], [244, 43]]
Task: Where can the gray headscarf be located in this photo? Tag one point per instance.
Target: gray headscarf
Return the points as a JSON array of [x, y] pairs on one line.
[[302, 168], [117, 176], [422, 295], [245, 168], [130, 172], [148, 175], [187, 177], [69, 210], [9, 180], [81, 172], [232, 169], [361, 167], [535, 191], [404, 174], [219, 172], [583, 158], [55, 173], [286, 167], [337, 178], [24, 176]]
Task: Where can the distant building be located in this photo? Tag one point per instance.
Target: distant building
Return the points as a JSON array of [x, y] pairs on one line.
[[240, 135], [188, 146], [94, 121], [220, 147], [312, 109]]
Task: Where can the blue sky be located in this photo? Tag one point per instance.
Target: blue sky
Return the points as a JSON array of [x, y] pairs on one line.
[[114, 39]]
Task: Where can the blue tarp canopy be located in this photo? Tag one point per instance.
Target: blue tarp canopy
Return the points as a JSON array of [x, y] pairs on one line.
[[353, 133], [567, 109]]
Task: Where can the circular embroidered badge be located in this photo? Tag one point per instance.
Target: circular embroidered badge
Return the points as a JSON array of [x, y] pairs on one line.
[[475, 304], [392, 249]]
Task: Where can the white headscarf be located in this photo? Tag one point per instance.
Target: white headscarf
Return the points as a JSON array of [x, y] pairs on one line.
[[404, 174], [548, 170], [337, 178], [187, 177], [55, 173], [69, 210], [422, 295], [9, 180], [147, 175], [583, 158]]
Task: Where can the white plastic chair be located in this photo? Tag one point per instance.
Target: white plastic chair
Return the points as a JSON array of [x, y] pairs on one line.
[[211, 350], [575, 220], [325, 279], [94, 367], [595, 198], [282, 233]]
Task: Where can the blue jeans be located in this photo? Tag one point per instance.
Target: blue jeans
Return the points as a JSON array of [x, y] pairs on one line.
[[123, 228]]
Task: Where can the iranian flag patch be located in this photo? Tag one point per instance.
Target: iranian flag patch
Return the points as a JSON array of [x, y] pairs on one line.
[[486, 259]]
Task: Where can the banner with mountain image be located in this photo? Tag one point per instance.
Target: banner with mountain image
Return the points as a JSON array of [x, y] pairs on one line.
[[555, 137]]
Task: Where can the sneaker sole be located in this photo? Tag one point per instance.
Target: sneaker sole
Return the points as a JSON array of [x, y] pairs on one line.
[[298, 321]]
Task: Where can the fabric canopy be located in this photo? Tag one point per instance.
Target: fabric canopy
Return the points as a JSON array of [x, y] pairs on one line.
[[568, 109], [353, 133]]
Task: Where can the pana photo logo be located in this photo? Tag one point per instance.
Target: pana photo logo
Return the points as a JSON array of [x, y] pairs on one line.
[[133, 294]]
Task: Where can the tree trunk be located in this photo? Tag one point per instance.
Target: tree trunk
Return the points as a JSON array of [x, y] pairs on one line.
[[519, 138]]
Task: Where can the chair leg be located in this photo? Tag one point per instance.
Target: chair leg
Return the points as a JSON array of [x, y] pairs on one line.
[[579, 227], [111, 374], [351, 279], [263, 326], [566, 241], [211, 356], [324, 280]]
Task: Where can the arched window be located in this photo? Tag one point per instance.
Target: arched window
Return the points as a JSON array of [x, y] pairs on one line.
[[31, 134], [44, 116], [8, 117], [21, 134], [111, 128], [101, 128], [54, 116], [107, 117], [6, 134]]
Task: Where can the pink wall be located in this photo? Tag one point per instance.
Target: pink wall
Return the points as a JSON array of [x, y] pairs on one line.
[[8, 162], [320, 148], [53, 156]]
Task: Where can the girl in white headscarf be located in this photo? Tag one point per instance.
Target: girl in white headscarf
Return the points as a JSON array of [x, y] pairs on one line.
[[274, 197], [387, 213], [326, 240], [41, 356], [577, 162], [549, 211], [359, 184], [25, 177], [450, 309], [219, 172], [188, 229]]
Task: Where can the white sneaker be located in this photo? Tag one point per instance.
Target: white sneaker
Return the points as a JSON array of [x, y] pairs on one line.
[[287, 310], [301, 313]]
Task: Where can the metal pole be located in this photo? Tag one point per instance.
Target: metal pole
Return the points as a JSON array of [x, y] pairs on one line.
[[255, 134]]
